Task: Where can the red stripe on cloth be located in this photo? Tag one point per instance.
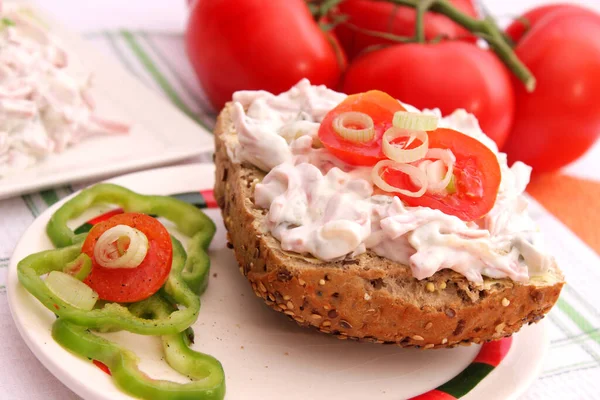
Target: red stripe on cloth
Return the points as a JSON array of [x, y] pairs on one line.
[[102, 366], [493, 352], [434, 395], [209, 198], [105, 216]]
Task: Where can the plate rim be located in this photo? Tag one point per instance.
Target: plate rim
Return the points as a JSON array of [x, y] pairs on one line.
[[202, 169], [101, 172]]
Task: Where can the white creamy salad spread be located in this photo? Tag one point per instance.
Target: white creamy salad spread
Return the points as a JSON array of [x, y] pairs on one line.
[[43, 108], [321, 206]]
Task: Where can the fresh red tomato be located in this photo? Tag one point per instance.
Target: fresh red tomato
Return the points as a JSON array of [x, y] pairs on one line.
[[258, 44], [476, 177], [380, 107], [391, 18], [520, 26], [560, 120], [125, 285], [447, 75]]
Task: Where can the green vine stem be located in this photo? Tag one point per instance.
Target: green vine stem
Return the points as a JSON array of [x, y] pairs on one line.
[[485, 28], [422, 8]]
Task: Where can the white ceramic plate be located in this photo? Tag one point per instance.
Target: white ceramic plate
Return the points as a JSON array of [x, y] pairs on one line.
[[160, 132], [265, 356]]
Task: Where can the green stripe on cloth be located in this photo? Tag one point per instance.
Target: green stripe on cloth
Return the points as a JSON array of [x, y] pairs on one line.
[[50, 197], [570, 367], [565, 329], [159, 77], [579, 320], [582, 299], [201, 103], [30, 205], [120, 56], [573, 339]]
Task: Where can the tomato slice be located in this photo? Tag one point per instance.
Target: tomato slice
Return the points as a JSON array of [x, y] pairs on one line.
[[126, 285], [476, 175], [380, 107]]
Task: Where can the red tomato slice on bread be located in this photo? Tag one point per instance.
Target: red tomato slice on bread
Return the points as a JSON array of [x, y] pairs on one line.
[[476, 177], [125, 285], [380, 107]]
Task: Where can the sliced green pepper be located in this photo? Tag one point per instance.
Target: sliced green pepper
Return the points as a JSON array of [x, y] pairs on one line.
[[115, 316], [205, 371], [80, 267], [188, 219]]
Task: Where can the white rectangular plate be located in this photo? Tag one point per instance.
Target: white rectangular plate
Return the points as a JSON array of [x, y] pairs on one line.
[[160, 133]]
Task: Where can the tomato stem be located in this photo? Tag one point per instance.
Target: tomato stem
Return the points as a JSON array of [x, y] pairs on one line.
[[422, 7], [383, 35], [485, 28]]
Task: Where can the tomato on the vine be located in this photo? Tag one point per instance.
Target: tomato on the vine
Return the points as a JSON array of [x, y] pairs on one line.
[[367, 18], [560, 120], [380, 107], [525, 22], [476, 177], [256, 44], [447, 75]]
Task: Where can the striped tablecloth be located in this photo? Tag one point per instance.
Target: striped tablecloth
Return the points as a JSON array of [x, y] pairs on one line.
[[570, 221]]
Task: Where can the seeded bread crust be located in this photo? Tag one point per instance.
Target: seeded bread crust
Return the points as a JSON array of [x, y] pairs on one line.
[[367, 298]]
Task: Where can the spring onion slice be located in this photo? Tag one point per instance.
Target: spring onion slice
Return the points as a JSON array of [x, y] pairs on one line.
[[71, 290], [417, 175], [109, 253], [451, 188], [354, 126], [415, 121], [447, 157], [400, 153]]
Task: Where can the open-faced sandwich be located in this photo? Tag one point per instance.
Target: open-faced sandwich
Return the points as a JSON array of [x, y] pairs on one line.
[[371, 220]]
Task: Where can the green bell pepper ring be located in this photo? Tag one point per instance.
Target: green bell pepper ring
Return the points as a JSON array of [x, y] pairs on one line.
[[115, 316], [188, 219], [205, 371]]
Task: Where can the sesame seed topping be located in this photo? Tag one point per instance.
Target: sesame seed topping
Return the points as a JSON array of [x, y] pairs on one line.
[[367, 297], [505, 302], [290, 305], [430, 287], [287, 297], [301, 282], [500, 327], [417, 337], [326, 323], [322, 282], [450, 313], [429, 325], [262, 287], [316, 316], [444, 340], [288, 312], [429, 346]]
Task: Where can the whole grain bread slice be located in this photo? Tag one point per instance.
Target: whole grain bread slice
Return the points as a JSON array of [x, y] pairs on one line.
[[366, 298]]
